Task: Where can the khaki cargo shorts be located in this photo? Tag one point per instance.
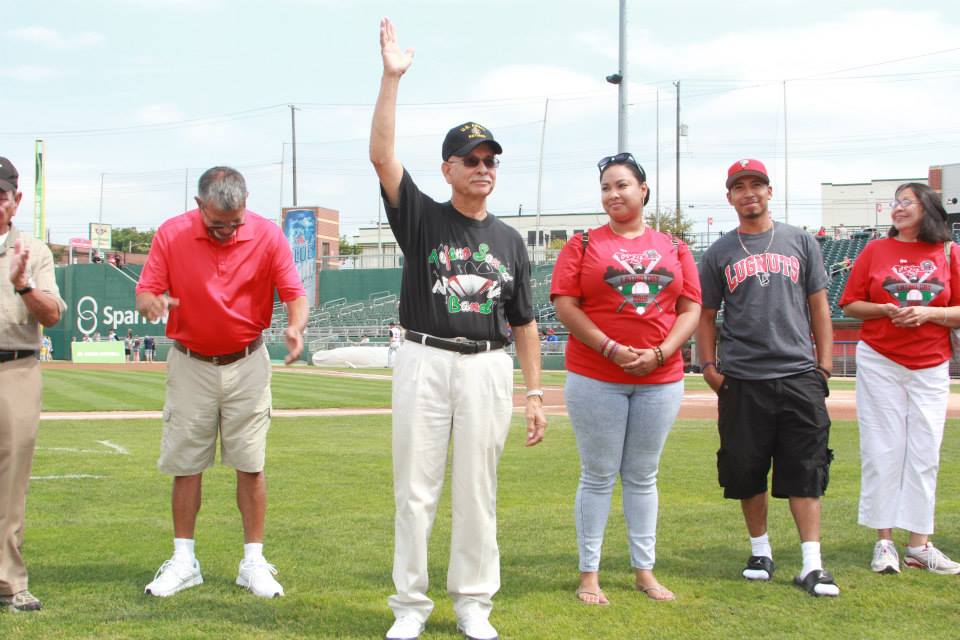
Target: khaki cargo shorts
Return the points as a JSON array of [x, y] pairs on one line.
[[204, 400]]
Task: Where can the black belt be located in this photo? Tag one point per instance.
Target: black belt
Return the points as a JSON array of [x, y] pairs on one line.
[[460, 345], [227, 358], [7, 356]]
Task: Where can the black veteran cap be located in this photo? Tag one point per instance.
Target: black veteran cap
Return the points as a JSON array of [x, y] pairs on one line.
[[463, 138], [8, 175]]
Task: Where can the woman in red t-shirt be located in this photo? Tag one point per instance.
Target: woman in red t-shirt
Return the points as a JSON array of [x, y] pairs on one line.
[[906, 290], [630, 298]]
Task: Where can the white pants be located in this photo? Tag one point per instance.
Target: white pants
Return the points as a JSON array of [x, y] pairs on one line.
[[438, 395], [901, 414], [392, 354]]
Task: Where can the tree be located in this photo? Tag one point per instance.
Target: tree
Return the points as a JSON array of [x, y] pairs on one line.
[[129, 239], [668, 222], [348, 249]]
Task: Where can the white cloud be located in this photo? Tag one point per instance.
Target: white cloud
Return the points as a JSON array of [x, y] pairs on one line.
[[158, 114], [52, 38], [28, 72]]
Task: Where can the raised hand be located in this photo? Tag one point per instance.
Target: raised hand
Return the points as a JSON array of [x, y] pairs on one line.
[[395, 61], [18, 266]]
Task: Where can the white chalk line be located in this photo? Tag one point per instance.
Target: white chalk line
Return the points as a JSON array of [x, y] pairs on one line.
[[68, 476]]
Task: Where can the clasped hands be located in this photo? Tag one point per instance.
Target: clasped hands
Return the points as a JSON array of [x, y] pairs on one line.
[[636, 362]]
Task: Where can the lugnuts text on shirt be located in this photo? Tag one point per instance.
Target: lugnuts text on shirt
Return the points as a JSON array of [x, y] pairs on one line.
[[763, 263]]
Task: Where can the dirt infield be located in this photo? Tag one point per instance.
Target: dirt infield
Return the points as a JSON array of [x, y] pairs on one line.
[[696, 404]]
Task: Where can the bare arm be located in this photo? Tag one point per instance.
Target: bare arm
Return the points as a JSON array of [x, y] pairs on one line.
[[383, 130], [153, 306], [297, 310], [528, 353], [863, 310], [707, 347], [822, 328]]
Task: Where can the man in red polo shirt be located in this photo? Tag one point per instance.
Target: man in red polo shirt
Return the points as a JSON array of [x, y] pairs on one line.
[[214, 270]]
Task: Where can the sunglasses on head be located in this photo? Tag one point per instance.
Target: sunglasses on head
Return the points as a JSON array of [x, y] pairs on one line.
[[472, 162], [622, 158]]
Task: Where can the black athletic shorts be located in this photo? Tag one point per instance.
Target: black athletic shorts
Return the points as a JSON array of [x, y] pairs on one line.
[[784, 420]]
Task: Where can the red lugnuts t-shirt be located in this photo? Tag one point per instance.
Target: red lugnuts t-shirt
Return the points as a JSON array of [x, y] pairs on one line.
[[629, 289]]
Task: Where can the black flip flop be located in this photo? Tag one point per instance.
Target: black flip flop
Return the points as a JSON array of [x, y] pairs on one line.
[[760, 563], [815, 577]]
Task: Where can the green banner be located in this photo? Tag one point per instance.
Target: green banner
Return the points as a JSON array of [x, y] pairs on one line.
[[84, 352], [40, 196]]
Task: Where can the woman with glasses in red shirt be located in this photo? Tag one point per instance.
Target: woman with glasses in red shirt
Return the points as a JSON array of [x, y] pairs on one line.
[[906, 289]]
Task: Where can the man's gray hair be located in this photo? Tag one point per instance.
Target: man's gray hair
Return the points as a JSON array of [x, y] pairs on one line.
[[224, 188]]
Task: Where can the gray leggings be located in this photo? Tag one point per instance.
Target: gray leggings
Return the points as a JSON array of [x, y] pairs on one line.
[[620, 428]]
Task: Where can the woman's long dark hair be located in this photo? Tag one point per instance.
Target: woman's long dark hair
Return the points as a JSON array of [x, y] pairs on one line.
[[933, 224]]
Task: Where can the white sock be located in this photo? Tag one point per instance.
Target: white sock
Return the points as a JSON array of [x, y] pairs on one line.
[[253, 551], [183, 550], [760, 546], [812, 562], [811, 558], [916, 550]]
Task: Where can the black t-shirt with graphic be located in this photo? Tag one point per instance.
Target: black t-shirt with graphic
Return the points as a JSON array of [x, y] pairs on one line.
[[461, 277]]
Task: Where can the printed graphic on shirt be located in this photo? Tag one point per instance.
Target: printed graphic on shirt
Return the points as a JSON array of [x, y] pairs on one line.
[[470, 280], [761, 266], [913, 285], [638, 280]]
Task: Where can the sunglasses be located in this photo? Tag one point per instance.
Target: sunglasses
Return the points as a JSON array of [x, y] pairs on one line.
[[622, 158], [472, 162]]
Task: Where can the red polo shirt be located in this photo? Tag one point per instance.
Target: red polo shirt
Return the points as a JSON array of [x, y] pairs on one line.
[[225, 289]]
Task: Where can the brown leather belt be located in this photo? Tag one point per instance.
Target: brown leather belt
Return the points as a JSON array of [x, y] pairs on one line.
[[221, 360], [459, 345], [8, 356]]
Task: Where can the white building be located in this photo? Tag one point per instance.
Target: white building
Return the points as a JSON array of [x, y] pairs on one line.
[[859, 204]]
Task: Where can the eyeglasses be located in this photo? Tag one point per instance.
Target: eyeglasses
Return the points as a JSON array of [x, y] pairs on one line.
[[221, 226], [622, 158], [900, 203], [472, 162]]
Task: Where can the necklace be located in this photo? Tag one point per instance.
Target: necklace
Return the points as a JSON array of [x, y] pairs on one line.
[[762, 276]]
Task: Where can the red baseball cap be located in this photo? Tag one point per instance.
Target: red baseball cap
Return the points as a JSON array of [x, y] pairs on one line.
[[746, 167]]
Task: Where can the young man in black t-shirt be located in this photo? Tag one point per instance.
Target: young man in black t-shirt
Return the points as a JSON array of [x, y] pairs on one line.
[[466, 277]]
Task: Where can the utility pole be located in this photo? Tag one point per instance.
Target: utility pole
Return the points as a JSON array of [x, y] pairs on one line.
[[786, 161], [543, 137], [657, 208], [293, 137], [677, 85], [100, 217], [620, 79]]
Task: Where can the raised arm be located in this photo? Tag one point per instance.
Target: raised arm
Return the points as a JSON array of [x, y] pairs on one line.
[[383, 130]]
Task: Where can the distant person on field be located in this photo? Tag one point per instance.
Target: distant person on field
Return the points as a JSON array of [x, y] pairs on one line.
[[465, 276], [770, 382], [128, 345], [630, 298], [215, 270], [29, 299], [396, 339], [149, 347], [906, 289]]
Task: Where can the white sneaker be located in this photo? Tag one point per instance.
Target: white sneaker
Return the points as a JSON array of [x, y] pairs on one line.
[[174, 576], [931, 559], [477, 628], [257, 577], [885, 558], [405, 628]]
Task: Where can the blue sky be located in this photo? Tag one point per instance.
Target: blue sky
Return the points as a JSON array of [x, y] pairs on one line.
[[148, 93]]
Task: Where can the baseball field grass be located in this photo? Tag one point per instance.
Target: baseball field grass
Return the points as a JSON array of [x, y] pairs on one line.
[[98, 526]]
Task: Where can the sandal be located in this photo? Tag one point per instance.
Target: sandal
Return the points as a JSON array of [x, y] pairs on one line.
[[598, 594], [814, 578], [759, 563], [659, 593]]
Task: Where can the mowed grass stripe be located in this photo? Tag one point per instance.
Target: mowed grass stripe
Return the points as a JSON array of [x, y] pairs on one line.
[[139, 390], [93, 544]]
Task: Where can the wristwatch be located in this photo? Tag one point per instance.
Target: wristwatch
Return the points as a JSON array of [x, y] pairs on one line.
[[31, 284]]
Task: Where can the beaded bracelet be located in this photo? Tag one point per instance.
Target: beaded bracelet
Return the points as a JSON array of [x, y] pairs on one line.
[[613, 350], [659, 353]]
